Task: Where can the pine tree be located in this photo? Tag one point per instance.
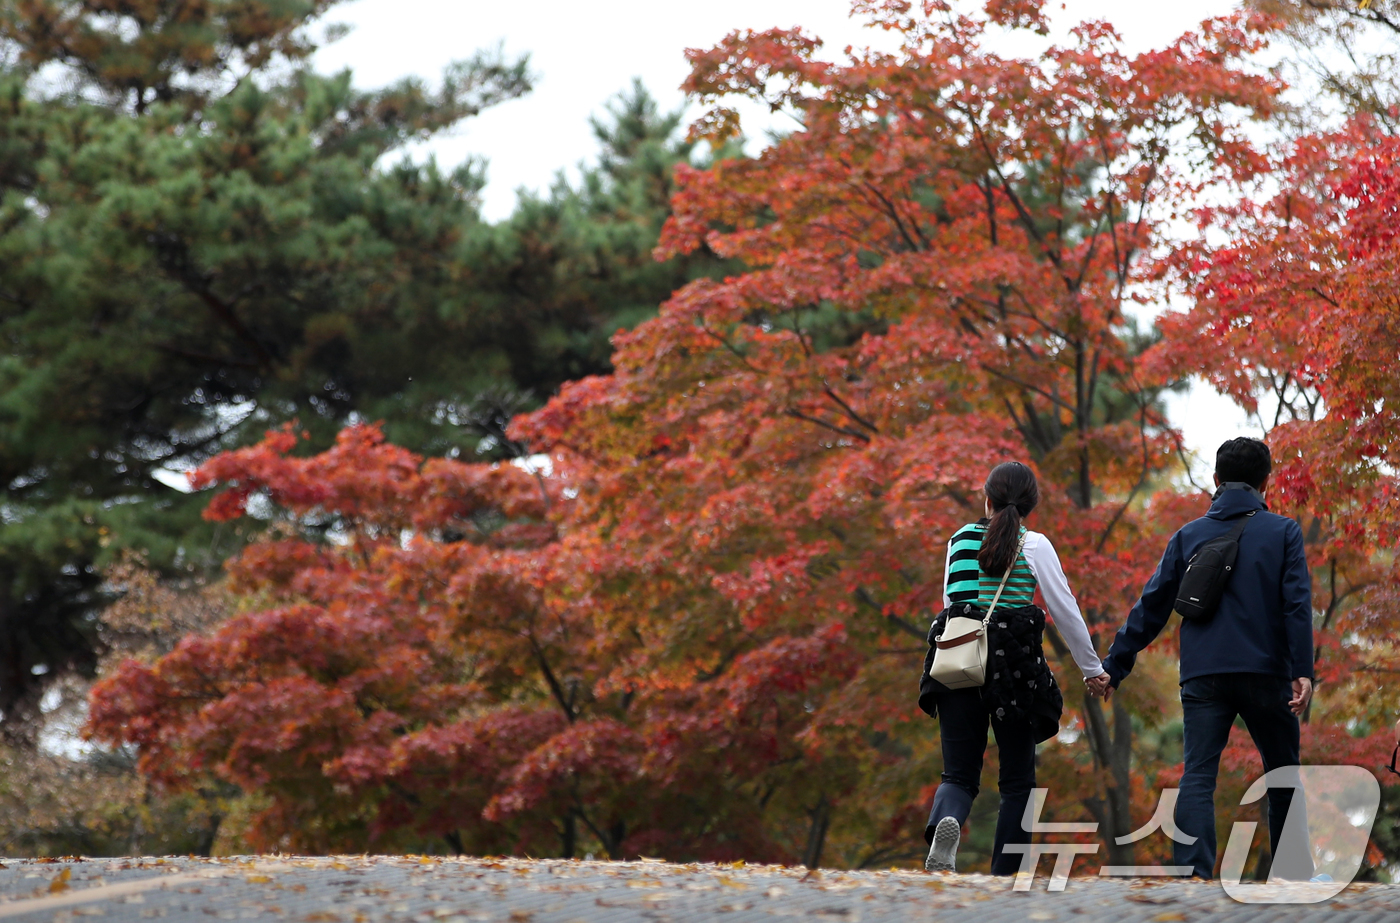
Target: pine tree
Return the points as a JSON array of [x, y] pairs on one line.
[[201, 238], [572, 267], [197, 240]]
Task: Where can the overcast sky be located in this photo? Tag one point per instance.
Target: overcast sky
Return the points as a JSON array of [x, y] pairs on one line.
[[585, 52]]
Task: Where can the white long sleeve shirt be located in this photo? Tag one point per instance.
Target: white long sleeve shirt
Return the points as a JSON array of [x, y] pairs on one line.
[[1059, 600]]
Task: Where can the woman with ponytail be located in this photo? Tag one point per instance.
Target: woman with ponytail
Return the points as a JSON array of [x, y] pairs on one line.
[[1019, 697]]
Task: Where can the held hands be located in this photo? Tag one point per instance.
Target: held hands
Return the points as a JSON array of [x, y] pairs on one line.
[[1302, 695], [1099, 686]]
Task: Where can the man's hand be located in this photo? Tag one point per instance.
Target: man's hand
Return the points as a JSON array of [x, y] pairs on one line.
[[1302, 695], [1098, 686]]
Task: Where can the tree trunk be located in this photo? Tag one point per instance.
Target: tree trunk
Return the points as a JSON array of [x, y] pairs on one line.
[[816, 834], [1113, 756], [1112, 753], [568, 836], [616, 834]]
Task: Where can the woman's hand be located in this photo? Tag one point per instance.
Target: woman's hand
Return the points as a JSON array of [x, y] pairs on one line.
[[1099, 686]]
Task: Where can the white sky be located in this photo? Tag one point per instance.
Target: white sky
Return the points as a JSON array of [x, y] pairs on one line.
[[586, 52]]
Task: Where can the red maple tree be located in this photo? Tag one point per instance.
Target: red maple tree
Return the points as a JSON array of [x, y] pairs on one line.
[[1296, 315]]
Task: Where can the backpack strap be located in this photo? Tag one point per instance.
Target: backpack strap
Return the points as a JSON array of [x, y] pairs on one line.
[[1004, 577]]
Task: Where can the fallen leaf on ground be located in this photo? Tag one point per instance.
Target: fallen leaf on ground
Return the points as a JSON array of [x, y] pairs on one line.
[[1150, 899]]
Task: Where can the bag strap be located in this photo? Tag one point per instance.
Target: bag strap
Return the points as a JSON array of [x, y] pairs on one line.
[[1004, 577], [1238, 530], [1394, 754]]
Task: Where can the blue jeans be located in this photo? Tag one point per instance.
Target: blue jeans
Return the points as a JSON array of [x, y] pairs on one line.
[[962, 724], [1209, 705]]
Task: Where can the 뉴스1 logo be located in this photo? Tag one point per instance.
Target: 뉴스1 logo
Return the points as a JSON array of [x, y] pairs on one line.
[[1319, 853]]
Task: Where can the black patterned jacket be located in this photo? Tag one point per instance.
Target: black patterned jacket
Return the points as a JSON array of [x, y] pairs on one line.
[[1020, 686]]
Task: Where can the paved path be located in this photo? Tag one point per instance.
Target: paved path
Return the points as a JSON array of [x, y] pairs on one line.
[[437, 890]]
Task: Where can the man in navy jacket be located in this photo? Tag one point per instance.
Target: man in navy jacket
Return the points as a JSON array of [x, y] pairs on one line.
[[1253, 659]]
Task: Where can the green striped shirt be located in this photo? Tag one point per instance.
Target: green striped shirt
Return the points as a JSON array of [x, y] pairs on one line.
[[967, 583]]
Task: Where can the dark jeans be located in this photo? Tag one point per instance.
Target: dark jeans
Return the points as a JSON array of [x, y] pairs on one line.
[[962, 721], [1209, 705]]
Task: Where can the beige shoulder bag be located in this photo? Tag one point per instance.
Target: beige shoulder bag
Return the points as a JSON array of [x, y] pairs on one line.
[[960, 653]]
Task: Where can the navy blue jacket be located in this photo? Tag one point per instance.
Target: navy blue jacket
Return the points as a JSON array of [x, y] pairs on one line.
[[1264, 623]]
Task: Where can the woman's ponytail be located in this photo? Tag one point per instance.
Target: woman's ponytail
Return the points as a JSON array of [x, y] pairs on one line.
[[1013, 492]]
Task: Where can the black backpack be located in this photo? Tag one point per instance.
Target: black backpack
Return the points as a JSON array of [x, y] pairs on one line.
[[1208, 573]]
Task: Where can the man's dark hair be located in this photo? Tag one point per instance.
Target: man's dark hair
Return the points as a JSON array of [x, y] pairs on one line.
[[1243, 459]]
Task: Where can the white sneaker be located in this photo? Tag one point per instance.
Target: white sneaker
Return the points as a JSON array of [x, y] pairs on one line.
[[944, 851]]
